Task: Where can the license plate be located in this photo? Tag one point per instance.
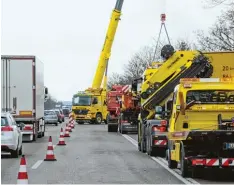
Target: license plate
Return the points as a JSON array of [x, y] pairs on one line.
[[230, 145]]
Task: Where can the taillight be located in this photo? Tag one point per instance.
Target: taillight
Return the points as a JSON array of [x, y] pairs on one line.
[[155, 128], [6, 129], [28, 127], [163, 123], [162, 129], [159, 129]]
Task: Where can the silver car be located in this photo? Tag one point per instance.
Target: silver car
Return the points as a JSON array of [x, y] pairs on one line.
[[11, 136], [51, 117]]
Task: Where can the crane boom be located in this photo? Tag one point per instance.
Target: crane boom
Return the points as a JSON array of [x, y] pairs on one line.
[[106, 50]]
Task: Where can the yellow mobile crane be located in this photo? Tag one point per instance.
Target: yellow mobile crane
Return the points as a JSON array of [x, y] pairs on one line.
[[90, 105]]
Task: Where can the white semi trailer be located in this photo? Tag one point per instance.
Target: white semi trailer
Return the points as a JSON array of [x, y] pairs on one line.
[[23, 93]]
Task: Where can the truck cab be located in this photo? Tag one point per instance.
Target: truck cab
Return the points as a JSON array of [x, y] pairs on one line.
[[89, 107]]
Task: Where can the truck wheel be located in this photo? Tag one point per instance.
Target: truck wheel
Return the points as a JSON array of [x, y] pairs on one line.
[[39, 135], [139, 147], [109, 128], [139, 142], [98, 119], [171, 163], [105, 121], [115, 128], [143, 146], [148, 148], [183, 164]]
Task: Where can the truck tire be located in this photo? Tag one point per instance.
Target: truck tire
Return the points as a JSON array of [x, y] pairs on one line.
[[149, 148], [39, 135], [98, 119], [171, 163], [109, 128], [143, 150], [184, 163], [139, 147]]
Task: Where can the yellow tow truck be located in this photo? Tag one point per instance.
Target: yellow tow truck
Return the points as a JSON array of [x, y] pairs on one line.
[[90, 105], [201, 125]]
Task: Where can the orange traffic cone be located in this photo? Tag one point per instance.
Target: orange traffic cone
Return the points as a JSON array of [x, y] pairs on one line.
[[22, 175], [61, 138], [72, 125], [69, 126], [67, 134], [50, 151]]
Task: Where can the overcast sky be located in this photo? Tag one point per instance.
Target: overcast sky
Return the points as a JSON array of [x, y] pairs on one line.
[[67, 35]]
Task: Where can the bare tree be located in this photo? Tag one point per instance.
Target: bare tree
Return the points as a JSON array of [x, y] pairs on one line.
[[185, 44], [213, 3], [116, 79], [221, 34]]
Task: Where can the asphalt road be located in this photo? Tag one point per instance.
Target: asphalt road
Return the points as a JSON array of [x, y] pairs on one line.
[[205, 176], [93, 156]]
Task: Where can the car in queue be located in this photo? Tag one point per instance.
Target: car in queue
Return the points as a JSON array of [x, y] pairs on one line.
[[11, 136], [51, 117]]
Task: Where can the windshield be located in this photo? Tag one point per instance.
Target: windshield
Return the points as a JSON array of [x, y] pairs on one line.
[[49, 113], [210, 97], [81, 101]]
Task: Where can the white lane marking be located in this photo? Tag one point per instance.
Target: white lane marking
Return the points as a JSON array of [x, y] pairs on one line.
[[37, 164], [163, 163]]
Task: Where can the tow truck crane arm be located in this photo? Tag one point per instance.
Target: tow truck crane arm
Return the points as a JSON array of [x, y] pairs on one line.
[[106, 50], [180, 64]]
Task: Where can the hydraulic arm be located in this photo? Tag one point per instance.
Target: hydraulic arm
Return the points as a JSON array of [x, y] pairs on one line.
[[179, 64], [106, 50]]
